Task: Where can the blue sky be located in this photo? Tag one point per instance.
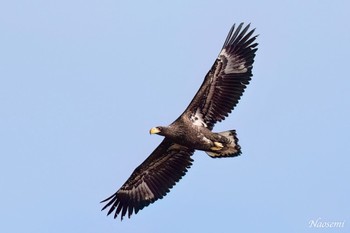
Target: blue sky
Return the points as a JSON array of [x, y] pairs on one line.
[[82, 82]]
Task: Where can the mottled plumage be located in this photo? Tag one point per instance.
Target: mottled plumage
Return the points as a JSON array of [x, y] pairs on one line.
[[216, 98]]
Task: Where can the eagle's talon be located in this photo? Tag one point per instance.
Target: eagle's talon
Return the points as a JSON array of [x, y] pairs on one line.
[[215, 148], [218, 145]]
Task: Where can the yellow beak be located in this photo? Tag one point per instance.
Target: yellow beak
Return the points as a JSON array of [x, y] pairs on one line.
[[154, 130]]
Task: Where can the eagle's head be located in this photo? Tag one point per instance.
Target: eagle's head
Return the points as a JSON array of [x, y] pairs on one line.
[[172, 132]]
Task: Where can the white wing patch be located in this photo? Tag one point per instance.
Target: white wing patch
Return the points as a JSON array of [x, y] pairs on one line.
[[206, 140], [233, 65], [197, 119]]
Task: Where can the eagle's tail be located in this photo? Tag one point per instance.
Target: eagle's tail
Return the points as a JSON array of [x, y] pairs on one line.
[[231, 149]]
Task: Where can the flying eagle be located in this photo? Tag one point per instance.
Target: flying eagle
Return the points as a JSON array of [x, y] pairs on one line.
[[216, 98]]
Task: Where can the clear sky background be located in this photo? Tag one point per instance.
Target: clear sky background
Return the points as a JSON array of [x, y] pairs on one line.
[[82, 82]]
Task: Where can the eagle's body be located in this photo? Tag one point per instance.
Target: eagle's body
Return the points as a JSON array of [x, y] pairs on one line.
[[218, 95], [201, 137]]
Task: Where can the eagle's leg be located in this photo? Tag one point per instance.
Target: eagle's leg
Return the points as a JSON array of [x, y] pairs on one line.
[[218, 146]]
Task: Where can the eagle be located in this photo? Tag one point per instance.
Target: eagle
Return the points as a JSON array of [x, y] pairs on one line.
[[219, 93]]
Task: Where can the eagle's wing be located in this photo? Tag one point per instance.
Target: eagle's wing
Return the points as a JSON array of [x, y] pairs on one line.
[[152, 179], [226, 80]]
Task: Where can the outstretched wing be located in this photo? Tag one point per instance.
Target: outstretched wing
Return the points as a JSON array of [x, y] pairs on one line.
[[151, 180], [225, 82]]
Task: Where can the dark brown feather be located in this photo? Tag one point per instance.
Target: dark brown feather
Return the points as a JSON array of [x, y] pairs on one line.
[[152, 180], [226, 80]]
